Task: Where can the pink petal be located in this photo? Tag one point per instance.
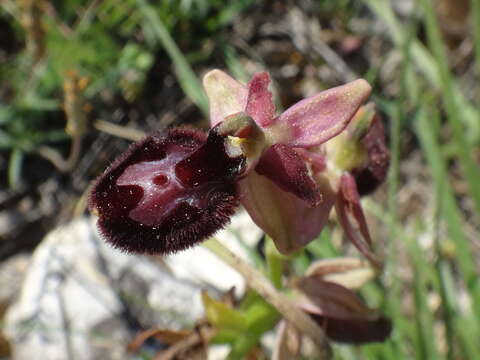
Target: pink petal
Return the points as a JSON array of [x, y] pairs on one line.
[[226, 95], [281, 164], [259, 103], [316, 119], [348, 208], [291, 222]]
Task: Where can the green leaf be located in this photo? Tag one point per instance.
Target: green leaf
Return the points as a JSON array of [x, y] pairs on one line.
[[6, 140], [15, 168], [223, 316]]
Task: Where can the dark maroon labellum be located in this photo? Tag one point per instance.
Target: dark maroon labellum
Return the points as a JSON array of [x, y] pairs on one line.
[[209, 163], [167, 192]]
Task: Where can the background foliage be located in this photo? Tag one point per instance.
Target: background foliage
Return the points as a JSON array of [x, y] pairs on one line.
[[67, 67]]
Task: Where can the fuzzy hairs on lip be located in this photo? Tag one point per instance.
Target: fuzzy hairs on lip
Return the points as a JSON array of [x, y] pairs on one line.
[[167, 192]]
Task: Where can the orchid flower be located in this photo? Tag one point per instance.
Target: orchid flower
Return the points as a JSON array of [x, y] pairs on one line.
[[178, 187]]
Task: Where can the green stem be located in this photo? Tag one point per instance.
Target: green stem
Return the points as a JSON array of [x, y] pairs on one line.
[[274, 263], [15, 168]]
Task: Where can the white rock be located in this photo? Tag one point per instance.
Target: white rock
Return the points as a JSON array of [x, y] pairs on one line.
[[76, 286], [201, 266], [82, 299]]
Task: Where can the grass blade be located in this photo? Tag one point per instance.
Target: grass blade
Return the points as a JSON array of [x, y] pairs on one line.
[[15, 168], [423, 314], [427, 64], [187, 78], [427, 134], [471, 170], [476, 31]]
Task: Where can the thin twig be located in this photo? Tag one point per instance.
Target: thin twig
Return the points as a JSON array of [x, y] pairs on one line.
[[119, 131], [194, 339], [64, 165]]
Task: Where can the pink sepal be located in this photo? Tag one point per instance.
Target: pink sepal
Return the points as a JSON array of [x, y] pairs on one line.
[[282, 165], [318, 118], [352, 218], [259, 103], [226, 95], [291, 222]]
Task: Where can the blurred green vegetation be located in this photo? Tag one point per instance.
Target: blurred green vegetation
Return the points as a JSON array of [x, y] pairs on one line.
[[430, 287]]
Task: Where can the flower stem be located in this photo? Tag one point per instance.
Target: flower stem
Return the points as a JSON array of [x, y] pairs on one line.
[[264, 288], [274, 263]]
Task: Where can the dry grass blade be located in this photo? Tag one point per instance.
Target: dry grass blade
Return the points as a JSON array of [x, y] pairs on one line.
[[196, 342], [166, 336]]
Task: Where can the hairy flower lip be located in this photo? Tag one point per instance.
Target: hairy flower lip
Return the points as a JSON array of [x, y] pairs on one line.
[[186, 223]]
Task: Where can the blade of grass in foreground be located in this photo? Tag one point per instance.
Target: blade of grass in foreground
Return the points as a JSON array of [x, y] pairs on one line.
[[423, 59], [426, 63], [404, 330], [476, 32], [426, 130], [393, 296], [187, 78], [15, 168], [396, 112], [424, 318], [457, 326], [471, 171]]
